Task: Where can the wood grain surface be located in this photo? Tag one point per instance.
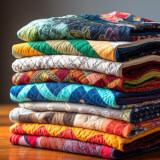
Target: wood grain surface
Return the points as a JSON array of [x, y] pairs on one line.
[[15, 152]]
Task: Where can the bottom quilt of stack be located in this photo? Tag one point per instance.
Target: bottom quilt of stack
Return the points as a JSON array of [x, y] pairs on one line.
[[79, 147], [83, 141]]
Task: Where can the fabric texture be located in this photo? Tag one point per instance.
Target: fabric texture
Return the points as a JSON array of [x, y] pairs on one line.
[[93, 122], [144, 82], [130, 69], [111, 84], [114, 26], [75, 146], [74, 120], [86, 135], [77, 93], [136, 114], [113, 51]]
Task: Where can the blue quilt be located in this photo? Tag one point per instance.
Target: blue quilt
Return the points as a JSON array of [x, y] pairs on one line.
[[78, 93], [114, 26]]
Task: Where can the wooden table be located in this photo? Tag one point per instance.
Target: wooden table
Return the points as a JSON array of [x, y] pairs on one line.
[[15, 152]]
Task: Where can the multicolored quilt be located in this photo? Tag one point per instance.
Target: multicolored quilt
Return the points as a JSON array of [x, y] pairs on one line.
[[136, 114], [77, 59], [130, 69], [81, 134], [145, 82], [114, 26], [113, 51], [88, 121], [77, 93], [79, 147]]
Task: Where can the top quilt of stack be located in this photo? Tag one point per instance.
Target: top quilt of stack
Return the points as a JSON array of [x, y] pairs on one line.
[[114, 26]]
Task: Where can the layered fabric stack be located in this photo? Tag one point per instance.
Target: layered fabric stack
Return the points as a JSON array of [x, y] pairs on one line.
[[88, 84]]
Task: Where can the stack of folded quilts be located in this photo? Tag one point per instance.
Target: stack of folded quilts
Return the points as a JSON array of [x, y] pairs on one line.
[[84, 87]]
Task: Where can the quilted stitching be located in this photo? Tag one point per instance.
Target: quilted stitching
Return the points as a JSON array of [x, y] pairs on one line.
[[95, 27], [113, 51], [62, 144], [130, 69], [81, 134], [83, 121], [63, 92], [71, 119], [77, 93], [74, 146], [69, 62], [140, 113], [144, 82]]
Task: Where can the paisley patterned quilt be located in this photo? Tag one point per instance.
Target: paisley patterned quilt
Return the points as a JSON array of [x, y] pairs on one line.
[[113, 51], [130, 69], [114, 26], [77, 93], [145, 82]]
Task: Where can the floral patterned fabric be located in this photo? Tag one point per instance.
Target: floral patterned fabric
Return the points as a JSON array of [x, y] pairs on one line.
[[75, 146], [113, 26]]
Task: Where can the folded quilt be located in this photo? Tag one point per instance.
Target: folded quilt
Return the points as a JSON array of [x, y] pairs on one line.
[[78, 93], [88, 121], [81, 134], [79, 147], [144, 82], [113, 51], [136, 114], [130, 69], [114, 26]]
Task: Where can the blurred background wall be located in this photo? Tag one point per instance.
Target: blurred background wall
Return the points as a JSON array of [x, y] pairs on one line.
[[16, 13]]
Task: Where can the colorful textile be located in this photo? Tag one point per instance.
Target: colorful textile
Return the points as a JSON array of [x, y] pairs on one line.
[[144, 82], [80, 134], [130, 69], [113, 51], [79, 147], [72, 119], [88, 121], [136, 114], [114, 26], [77, 93]]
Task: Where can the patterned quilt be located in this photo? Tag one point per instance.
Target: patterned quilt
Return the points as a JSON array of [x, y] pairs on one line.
[[136, 114], [113, 51], [79, 147], [81, 134], [88, 121], [145, 82], [77, 93], [114, 26], [130, 69]]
